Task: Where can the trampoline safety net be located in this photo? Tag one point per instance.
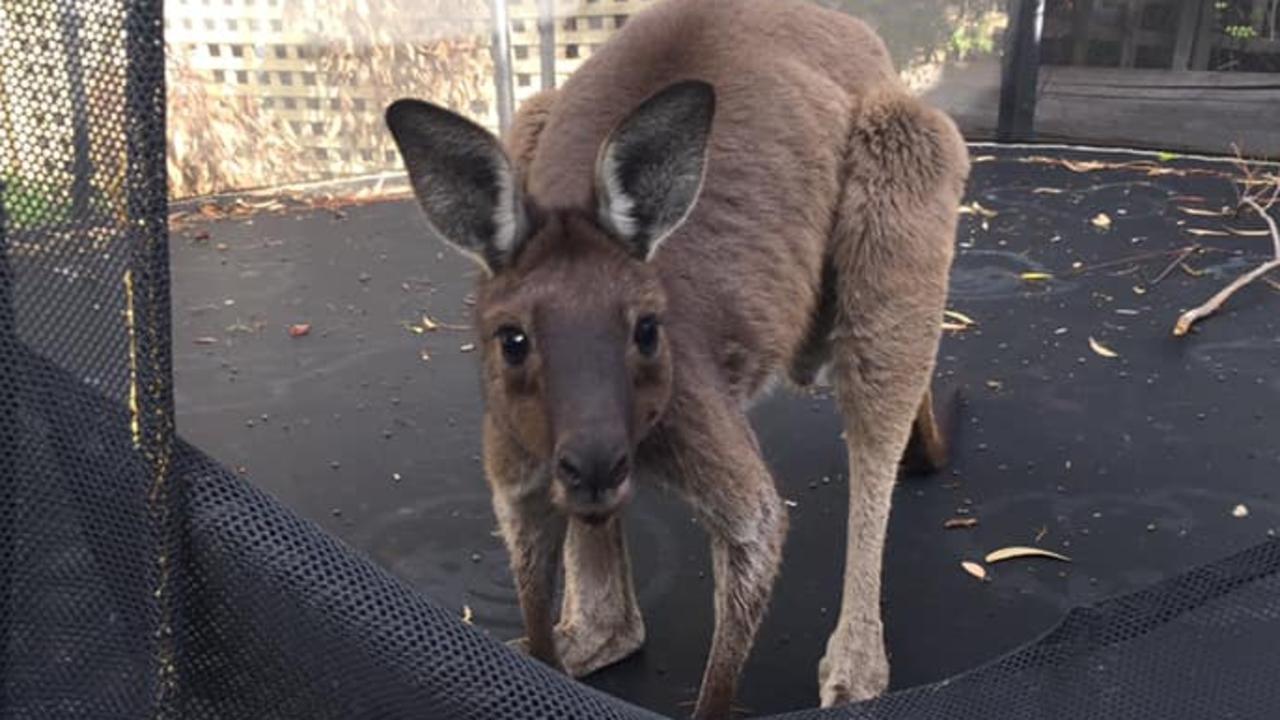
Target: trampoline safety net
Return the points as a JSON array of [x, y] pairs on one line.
[[139, 578]]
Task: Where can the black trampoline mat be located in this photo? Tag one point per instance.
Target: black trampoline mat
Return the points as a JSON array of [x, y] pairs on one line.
[[1131, 465]]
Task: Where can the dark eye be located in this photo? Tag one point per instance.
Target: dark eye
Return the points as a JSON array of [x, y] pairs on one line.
[[515, 344], [646, 335]]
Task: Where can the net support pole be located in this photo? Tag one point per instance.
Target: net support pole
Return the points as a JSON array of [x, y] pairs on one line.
[[502, 63], [1020, 71], [81, 167], [547, 42]]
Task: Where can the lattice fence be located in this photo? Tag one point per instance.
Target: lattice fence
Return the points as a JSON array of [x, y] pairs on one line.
[[269, 92]]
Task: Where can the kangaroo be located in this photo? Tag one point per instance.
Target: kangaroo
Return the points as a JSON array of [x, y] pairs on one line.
[[727, 193]]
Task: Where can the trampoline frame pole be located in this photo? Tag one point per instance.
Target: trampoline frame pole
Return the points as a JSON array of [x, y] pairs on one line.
[[502, 64], [1020, 71], [547, 42]]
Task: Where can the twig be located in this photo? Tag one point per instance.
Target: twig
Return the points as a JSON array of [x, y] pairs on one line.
[[1182, 257], [1215, 303], [1139, 257]]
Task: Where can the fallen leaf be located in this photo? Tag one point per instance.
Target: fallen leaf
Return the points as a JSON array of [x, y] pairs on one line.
[[954, 327], [1202, 232], [429, 324], [426, 356], [1019, 551], [1193, 272], [960, 522], [205, 340], [1249, 233], [1201, 212], [1101, 349], [222, 247], [791, 503], [201, 235], [954, 315], [1240, 511], [974, 569], [468, 347], [1048, 191], [1083, 165], [995, 384], [1031, 276], [976, 208], [299, 329], [983, 158], [1101, 220], [1139, 290], [467, 615], [1166, 156]]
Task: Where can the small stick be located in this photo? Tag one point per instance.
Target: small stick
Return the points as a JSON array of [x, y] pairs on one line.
[[1131, 259], [1214, 303], [1182, 257]]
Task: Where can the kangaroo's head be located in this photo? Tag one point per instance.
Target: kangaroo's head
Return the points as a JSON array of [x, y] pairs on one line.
[[576, 365]]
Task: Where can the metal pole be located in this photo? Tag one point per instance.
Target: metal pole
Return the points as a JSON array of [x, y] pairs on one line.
[[81, 166], [1020, 71], [547, 42], [502, 63]]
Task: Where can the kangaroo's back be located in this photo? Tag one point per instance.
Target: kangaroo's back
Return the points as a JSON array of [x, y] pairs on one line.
[[745, 271]]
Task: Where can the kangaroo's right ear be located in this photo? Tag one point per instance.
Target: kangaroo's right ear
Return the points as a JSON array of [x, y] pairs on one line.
[[463, 179]]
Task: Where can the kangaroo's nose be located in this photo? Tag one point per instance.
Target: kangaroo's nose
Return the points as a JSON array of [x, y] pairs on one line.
[[592, 468]]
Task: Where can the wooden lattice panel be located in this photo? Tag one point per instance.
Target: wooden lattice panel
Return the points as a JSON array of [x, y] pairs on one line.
[[267, 92]]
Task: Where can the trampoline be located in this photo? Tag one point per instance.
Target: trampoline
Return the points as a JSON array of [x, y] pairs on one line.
[[280, 525]]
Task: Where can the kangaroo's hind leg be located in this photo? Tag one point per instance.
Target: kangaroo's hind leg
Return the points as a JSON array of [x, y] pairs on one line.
[[892, 252]]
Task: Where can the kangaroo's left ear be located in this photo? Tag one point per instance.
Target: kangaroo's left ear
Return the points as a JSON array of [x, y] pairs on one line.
[[651, 168]]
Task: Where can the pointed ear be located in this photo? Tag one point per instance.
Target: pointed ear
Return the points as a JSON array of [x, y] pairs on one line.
[[651, 168], [463, 179]]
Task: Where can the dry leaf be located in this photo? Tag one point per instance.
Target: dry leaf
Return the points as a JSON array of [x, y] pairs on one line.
[[205, 340], [1202, 232], [976, 208], [1199, 212], [1101, 349], [1249, 233], [429, 324], [1101, 220], [1031, 276], [1048, 191], [468, 347], [299, 329], [1017, 551], [426, 356], [960, 317], [1139, 290], [1190, 270], [974, 569], [1240, 511], [983, 158], [954, 327], [467, 615], [960, 522]]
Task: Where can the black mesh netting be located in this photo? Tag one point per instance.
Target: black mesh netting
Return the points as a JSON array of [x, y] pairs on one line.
[[138, 578]]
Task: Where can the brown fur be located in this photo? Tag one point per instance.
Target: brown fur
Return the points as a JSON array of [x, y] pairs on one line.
[[822, 236]]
